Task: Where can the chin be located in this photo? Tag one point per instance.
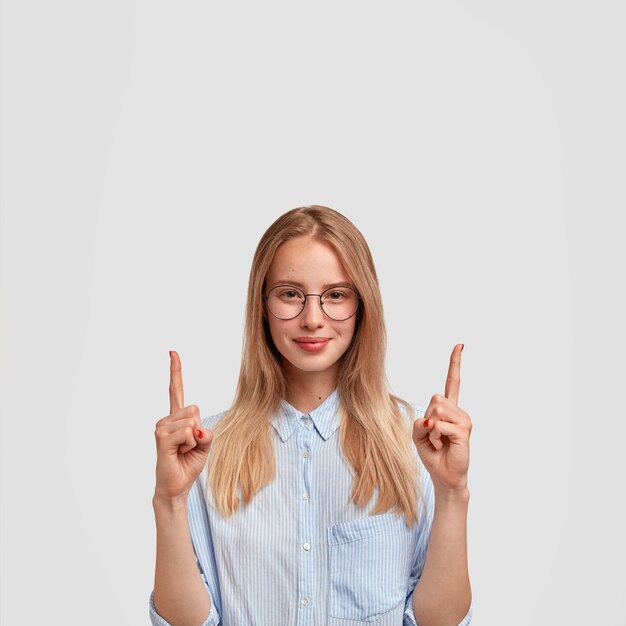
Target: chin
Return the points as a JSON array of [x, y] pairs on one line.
[[312, 363], [308, 367]]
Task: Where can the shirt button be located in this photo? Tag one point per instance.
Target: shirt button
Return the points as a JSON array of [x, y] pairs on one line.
[[306, 454], [305, 496], [304, 601], [307, 546]]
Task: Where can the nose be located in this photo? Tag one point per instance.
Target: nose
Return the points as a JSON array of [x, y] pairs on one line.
[[312, 315]]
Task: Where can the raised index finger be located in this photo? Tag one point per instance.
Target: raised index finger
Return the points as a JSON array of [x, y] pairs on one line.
[[453, 381], [176, 383]]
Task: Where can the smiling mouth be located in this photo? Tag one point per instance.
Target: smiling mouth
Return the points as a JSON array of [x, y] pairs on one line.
[[311, 339], [312, 344]]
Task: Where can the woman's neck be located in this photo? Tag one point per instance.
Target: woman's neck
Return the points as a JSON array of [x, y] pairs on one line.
[[307, 390]]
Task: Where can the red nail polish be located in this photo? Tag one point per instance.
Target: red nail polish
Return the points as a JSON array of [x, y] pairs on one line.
[[200, 434], [426, 423]]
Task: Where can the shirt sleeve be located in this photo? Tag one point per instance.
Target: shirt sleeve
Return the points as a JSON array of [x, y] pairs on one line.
[[424, 526], [201, 539]]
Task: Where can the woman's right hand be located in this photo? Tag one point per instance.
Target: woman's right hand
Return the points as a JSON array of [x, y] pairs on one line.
[[182, 444]]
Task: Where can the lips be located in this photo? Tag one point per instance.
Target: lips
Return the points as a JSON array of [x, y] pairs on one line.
[[312, 344], [311, 339]]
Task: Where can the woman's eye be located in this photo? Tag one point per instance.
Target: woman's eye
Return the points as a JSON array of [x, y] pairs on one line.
[[335, 295], [289, 295]]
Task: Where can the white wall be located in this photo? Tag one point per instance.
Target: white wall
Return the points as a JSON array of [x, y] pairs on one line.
[[145, 148]]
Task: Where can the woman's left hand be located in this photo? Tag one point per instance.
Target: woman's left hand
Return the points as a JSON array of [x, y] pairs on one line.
[[442, 435]]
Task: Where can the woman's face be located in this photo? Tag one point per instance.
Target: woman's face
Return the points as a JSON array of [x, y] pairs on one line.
[[311, 266]]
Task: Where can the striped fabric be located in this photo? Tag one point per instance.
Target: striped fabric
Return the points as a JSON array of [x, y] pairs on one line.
[[302, 553]]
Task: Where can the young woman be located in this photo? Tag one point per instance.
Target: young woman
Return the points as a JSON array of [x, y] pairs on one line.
[[319, 497]]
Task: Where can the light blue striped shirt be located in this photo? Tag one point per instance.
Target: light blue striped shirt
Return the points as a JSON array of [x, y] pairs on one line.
[[302, 553]]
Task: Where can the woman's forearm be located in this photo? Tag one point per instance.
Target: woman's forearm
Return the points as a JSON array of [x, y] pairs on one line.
[[180, 596], [443, 595]]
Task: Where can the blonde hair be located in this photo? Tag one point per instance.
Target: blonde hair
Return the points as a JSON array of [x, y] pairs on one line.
[[375, 436]]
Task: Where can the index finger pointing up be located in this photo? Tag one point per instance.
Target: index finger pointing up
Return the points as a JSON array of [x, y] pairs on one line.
[[453, 382], [176, 383]]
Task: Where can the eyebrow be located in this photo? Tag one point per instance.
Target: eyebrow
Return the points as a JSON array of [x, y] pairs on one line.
[[325, 286]]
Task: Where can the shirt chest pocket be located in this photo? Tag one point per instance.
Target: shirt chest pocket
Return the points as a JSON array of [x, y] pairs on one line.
[[369, 566]]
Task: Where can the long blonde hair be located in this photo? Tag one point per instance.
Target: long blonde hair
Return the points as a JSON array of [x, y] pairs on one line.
[[375, 436]]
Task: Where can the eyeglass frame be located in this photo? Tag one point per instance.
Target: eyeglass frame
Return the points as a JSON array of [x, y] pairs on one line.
[[306, 295]]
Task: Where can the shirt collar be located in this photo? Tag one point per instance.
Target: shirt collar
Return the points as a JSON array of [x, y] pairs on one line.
[[325, 417]]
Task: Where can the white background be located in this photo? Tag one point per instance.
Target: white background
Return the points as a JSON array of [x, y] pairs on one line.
[[479, 147]]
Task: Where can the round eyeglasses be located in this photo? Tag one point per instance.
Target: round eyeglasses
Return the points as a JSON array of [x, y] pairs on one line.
[[338, 303]]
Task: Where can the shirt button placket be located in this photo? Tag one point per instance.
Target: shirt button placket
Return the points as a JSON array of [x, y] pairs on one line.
[[306, 587]]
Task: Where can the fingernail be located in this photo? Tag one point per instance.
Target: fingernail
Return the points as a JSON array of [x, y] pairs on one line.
[[426, 423], [200, 434], [170, 354], [462, 346]]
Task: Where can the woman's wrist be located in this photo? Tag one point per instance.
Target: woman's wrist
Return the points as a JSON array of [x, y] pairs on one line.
[[458, 496], [167, 505]]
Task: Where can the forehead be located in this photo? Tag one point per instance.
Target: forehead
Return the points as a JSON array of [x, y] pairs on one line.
[[308, 261]]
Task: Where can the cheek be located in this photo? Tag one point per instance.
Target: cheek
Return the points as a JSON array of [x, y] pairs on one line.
[[279, 330], [347, 332]]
